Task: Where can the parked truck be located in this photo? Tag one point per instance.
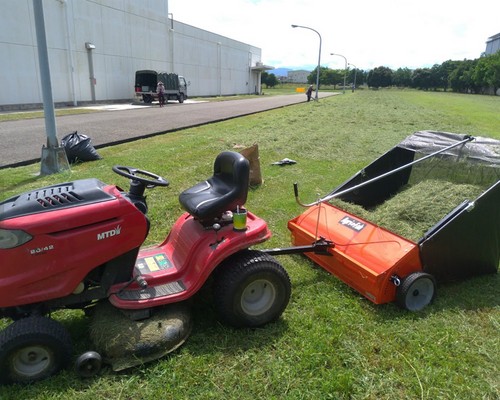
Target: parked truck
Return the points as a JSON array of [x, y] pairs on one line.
[[147, 80]]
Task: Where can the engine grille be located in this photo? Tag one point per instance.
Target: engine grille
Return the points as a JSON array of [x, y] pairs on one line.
[[54, 196]]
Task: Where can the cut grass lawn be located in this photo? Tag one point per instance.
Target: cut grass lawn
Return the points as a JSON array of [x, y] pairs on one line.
[[330, 342], [14, 116]]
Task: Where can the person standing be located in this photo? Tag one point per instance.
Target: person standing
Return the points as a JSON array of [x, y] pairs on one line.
[[309, 92], [160, 89]]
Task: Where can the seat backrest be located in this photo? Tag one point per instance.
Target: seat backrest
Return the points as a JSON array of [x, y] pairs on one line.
[[225, 190], [233, 169], [231, 175]]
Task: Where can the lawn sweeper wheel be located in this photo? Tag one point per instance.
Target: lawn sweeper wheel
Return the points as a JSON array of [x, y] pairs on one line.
[[251, 289], [416, 291], [32, 349]]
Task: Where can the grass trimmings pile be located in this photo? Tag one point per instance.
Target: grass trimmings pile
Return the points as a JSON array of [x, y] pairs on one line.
[[416, 208]]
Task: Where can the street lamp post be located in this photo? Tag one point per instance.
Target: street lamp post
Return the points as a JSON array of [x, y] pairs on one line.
[[345, 67], [54, 158], [319, 55], [355, 72]]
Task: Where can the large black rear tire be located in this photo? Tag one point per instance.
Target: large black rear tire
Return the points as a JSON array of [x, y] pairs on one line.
[[251, 289], [32, 349]]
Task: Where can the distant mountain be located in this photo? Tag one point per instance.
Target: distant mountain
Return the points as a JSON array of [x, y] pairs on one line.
[[280, 71], [284, 71]]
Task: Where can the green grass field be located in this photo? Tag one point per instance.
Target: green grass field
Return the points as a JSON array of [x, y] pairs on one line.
[[331, 342]]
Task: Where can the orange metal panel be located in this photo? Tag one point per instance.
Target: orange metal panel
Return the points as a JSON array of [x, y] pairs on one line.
[[365, 255]]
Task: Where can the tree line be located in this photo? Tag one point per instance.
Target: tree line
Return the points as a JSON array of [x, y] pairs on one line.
[[480, 76]]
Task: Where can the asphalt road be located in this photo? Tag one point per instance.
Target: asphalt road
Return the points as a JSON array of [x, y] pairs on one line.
[[22, 140]]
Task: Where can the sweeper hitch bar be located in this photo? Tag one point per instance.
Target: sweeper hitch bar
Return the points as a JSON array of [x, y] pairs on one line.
[[319, 247]]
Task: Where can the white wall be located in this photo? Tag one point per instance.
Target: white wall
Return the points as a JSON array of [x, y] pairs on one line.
[[128, 35], [298, 76], [493, 44], [213, 64]]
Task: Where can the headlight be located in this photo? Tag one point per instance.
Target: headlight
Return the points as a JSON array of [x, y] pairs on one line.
[[13, 238]]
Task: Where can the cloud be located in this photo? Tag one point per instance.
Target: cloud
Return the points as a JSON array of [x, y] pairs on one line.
[[393, 33]]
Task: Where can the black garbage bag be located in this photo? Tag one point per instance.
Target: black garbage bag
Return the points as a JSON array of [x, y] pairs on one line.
[[79, 147]]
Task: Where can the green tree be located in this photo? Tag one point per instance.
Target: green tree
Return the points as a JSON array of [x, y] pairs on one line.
[[263, 78], [272, 81], [480, 72], [439, 77], [461, 79], [361, 77], [380, 77], [402, 77], [493, 72], [269, 80], [332, 77], [422, 78], [356, 75], [446, 69], [486, 74], [311, 78]]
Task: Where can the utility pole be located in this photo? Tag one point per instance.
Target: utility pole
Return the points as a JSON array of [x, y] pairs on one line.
[[54, 157]]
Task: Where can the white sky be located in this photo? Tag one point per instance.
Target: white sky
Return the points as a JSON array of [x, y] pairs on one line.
[[369, 33]]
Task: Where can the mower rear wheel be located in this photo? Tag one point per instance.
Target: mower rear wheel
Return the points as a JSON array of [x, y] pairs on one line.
[[251, 289], [416, 291], [32, 349]]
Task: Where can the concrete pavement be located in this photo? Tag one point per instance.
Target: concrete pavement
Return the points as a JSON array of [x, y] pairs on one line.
[[22, 140]]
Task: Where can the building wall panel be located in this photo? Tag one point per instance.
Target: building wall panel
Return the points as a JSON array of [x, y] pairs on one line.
[[128, 35]]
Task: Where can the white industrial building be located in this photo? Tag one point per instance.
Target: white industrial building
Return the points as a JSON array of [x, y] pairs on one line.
[[493, 44], [95, 47], [299, 76]]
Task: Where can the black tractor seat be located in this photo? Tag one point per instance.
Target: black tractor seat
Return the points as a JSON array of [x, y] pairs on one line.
[[226, 190]]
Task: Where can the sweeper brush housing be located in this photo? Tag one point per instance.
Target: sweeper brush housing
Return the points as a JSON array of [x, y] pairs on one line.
[[430, 205]]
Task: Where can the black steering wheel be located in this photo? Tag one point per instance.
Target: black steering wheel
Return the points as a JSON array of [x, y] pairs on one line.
[[148, 179]]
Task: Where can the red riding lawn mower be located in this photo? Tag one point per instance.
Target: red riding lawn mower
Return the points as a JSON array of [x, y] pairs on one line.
[[76, 245]]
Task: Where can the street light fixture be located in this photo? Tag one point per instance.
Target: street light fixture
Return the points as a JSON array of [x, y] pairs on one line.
[[345, 67], [319, 55], [355, 72]]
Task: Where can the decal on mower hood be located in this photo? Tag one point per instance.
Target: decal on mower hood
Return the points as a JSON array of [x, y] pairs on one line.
[[41, 250], [352, 223], [110, 233]]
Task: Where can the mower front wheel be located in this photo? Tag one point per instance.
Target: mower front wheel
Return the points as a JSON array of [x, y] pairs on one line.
[[251, 289], [32, 349], [416, 291], [88, 364]]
